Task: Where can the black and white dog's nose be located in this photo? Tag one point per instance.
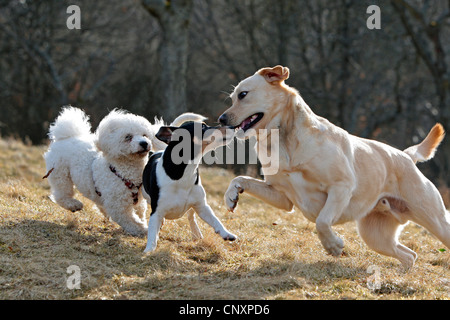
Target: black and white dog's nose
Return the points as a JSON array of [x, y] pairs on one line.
[[144, 144], [223, 119]]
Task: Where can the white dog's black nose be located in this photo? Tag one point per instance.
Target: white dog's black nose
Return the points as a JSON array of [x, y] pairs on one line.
[[144, 144]]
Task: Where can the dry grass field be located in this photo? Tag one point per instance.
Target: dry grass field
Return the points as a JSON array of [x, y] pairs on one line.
[[277, 255]]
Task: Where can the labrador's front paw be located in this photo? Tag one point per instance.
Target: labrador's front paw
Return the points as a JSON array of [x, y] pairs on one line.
[[333, 246], [232, 195]]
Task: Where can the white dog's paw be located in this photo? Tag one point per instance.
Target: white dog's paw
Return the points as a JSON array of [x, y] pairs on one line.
[[136, 230], [71, 204], [232, 195]]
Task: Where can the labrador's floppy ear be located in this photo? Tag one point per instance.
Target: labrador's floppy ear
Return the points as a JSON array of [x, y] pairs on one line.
[[274, 75], [165, 134]]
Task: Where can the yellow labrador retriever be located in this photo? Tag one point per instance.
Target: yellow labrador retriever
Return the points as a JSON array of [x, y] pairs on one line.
[[332, 176]]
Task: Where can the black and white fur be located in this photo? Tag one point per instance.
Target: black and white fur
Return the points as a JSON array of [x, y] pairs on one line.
[[174, 189]]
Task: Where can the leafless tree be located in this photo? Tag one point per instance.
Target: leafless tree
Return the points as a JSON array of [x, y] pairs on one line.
[[174, 19], [428, 26], [161, 58]]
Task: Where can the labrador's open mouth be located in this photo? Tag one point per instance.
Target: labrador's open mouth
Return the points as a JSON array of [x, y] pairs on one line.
[[250, 121]]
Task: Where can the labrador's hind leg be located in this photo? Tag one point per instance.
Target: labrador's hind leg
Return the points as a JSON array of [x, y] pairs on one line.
[[427, 208], [435, 220], [380, 232]]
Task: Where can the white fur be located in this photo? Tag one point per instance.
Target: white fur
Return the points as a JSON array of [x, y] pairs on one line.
[[78, 157]]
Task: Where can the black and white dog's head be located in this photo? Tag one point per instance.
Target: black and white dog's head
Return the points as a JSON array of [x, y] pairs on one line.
[[189, 142]]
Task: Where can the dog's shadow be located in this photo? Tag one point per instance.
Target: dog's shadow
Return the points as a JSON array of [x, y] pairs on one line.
[[36, 256], [41, 252], [260, 280], [269, 280]]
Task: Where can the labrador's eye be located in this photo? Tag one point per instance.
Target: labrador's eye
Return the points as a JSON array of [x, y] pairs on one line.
[[128, 137], [242, 95]]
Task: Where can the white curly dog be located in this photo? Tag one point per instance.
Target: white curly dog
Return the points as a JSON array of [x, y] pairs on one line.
[[105, 166]]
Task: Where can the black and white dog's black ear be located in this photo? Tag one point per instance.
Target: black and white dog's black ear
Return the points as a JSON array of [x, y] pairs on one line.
[[165, 134]]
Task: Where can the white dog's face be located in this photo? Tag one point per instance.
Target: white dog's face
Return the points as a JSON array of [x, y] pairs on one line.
[[122, 134]]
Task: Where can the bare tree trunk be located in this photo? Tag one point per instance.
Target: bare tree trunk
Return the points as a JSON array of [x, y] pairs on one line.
[[174, 18], [427, 36]]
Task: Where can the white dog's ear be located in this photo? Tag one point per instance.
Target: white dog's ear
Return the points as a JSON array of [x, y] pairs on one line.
[[97, 142], [274, 75], [165, 134]]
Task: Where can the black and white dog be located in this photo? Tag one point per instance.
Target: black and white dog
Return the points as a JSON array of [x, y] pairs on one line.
[[171, 181]]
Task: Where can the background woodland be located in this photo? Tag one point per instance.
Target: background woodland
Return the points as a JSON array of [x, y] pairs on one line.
[[162, 58]]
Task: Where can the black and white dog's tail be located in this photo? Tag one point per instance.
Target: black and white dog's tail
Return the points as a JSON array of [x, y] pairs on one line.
[[185, 117], [158, 145]]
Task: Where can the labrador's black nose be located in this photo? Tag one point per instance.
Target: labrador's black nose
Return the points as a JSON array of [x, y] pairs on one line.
[[223, 119], [144, 144]]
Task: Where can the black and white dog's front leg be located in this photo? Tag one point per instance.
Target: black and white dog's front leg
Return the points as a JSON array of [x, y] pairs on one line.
[[154, 225], [205, 212]]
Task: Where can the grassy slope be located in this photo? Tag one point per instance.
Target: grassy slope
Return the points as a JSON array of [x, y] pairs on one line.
[[278, 254]]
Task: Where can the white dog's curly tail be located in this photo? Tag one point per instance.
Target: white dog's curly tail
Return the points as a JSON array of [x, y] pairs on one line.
[[71, 122], [427, 148]]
